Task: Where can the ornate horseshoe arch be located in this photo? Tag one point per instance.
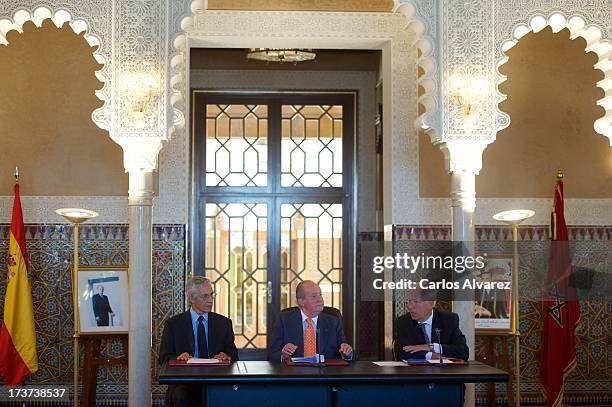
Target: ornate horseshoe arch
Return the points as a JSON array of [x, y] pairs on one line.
[[578, 27], [81, 27]]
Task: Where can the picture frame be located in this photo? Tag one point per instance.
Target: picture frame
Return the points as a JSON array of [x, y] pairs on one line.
[[493, 307], [103, 306]]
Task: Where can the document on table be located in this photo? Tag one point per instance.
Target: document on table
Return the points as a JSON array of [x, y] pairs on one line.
[[387, 363], [200, 361], [436, 361]]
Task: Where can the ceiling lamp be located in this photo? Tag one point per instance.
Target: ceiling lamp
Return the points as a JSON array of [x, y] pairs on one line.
[[281, 55]]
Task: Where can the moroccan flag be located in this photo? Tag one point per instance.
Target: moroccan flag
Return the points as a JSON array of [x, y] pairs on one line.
[[18, 357], [561, 311]]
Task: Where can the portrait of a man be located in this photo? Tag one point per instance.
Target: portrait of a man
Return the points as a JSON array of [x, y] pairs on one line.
[[102, 308]]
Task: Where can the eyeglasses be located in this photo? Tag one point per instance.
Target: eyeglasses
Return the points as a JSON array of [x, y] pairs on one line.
[[205, 296]]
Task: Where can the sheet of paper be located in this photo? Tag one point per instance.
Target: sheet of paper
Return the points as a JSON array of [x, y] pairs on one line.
[[200, 361], [436, 361], [386, 363]]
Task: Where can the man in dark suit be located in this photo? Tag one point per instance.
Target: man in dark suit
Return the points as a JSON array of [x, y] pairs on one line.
[[101, 307], [420, 333], [199, 333], [295, 330]]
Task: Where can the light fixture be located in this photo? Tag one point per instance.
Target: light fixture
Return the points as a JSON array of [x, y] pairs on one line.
[[513, 218], [292, 55], [139, 91], [75, 216], [467, 92]]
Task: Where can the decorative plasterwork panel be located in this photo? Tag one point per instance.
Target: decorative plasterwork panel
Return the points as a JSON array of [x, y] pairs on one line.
[[140, 32], [467, 53], [41, 209], [589, 19], [90, 18]]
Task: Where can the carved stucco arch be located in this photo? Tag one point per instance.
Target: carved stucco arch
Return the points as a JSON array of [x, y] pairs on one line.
[[578, 27], [61, 16], [428, 81]]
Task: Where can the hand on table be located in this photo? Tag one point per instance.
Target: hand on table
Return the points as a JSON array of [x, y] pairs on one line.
[[288, 350]]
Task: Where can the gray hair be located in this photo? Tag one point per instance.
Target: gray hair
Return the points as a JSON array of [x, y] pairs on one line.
[[299, 290], [192, 287]]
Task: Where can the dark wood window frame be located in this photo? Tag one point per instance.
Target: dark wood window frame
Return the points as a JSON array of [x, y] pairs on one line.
[[273, 194]]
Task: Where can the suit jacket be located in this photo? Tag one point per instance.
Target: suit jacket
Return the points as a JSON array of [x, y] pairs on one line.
[[408, 332], [101, 308], [289, 329], [178, 337]]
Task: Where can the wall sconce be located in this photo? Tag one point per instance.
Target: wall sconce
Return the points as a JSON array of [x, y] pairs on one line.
[[467, 92], [140, 91]]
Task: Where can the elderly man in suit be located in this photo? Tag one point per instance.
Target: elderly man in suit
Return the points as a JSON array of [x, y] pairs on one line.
[[102, 307], [295, 332], [425, 331], [197, 332]]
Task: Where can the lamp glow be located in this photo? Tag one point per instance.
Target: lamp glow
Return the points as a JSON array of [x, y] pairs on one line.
[[513, 217], [76, 215]]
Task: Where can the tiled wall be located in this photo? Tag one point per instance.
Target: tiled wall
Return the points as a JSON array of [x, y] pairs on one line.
[[50, 252]]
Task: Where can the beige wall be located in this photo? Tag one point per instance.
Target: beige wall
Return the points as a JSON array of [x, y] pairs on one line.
[[304, 5], [47, 85], [552, 103]]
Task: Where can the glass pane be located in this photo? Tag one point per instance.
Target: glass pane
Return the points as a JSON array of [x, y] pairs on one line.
[[236, 249], [236, 145], [311, 249], [311, 146]]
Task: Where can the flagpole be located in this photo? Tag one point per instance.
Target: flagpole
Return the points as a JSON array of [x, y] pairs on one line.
[[514, 218], [75, 298], [75, 216]]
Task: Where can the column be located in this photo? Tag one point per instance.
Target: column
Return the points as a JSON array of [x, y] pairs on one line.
[[140, 205], [464, 161], [140, 159]]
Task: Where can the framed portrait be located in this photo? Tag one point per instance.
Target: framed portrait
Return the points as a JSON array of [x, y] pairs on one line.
[[103, 300], [493, 300]]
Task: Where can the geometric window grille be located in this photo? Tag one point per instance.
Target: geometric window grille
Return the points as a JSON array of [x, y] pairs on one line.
[[311, 249], [311, 145], [236, 145], [236, 242]]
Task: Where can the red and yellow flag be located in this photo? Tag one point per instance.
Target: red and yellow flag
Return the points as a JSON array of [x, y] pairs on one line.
[[18, 357], [561, 311]]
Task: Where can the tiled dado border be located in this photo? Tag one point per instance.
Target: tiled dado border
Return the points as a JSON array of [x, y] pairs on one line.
[[500, 233], [50, 254], [589, 382]]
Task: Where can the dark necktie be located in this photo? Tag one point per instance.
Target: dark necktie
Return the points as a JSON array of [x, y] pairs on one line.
[[427, 339], [202, 348]]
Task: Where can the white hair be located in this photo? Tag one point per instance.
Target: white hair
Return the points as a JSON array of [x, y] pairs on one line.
[[192, 287]]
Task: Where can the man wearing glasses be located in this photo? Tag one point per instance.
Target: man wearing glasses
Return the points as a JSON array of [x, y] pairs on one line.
[[425, 331], [197, 332]]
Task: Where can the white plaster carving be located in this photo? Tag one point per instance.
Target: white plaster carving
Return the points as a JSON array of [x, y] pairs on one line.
[[596, 35], [41, 209], [92, 19], [467, 52]]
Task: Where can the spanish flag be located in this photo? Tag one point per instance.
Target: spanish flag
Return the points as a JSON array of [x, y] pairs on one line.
[[18, 357]]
